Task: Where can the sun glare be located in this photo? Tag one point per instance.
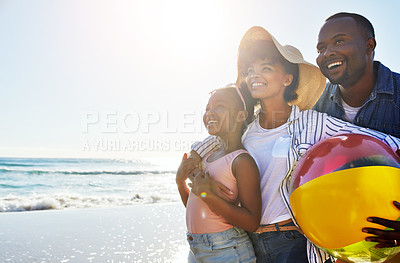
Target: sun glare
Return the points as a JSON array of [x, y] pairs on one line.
[[190, 25]]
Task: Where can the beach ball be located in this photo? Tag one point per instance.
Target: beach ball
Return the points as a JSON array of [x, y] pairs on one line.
[[336, 185]]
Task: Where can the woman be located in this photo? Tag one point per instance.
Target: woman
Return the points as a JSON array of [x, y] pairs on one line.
[[286, 86]]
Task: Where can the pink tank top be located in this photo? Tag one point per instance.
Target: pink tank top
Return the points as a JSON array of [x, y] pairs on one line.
[[199, 218]]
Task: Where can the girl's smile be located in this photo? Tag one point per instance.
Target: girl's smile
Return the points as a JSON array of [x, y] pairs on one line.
[[221, 115], [216, 117]]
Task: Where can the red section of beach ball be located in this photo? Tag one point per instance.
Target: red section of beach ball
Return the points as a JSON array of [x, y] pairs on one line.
[[343, 152]]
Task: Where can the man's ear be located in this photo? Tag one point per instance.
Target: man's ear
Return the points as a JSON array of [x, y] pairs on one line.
[[371, 45], [242, 116]]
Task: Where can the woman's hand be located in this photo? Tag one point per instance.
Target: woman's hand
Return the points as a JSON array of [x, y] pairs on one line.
[[185, 168], [196, 157], [385, 238]]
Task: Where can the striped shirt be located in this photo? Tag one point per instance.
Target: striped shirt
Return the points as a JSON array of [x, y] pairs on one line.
[[306, 128]]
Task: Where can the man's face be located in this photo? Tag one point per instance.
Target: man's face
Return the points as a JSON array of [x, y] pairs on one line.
[[342, 51]]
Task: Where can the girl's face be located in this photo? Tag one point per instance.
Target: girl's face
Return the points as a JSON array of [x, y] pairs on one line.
[[267, 79], [221, 113]]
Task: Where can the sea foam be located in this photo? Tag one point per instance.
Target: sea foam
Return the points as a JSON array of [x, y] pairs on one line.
[[13, 203], [28, 184]]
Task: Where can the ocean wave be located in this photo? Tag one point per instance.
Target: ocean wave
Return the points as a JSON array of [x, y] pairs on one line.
[[12, 203], [5, 170], [13, 186], [17, 164]]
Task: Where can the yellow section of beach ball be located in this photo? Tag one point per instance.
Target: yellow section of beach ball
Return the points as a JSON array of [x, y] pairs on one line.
[[333, 208], [363, 252]]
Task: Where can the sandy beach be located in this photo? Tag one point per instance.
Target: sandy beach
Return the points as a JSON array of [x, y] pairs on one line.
[[139, 233]]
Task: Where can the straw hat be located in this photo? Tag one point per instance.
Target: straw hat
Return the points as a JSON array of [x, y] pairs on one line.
[[311, 82]]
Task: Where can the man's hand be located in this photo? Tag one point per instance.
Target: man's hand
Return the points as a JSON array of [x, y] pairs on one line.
[[385, 238]]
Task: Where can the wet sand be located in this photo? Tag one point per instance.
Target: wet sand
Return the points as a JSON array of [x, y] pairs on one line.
[[142, 233]]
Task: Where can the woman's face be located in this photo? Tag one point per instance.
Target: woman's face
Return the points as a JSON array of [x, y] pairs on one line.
[[267, 79]]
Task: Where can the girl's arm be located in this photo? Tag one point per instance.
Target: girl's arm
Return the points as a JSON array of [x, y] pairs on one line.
[[185, 168], [248, 214]]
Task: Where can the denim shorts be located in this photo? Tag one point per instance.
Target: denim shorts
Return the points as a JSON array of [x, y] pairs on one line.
[[280, 246], [232, 245]]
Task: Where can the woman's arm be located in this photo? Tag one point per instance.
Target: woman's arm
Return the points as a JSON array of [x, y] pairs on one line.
[[248, 214], [208, 145], [334, 126]]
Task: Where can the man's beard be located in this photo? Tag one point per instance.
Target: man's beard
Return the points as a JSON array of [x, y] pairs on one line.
[[346, 81]]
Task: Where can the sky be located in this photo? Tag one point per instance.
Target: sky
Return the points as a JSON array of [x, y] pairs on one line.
[[131, 79]]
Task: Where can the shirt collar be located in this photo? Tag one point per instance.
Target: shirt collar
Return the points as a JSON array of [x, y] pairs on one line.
[[294, 114], [384, 81], [335, 94]]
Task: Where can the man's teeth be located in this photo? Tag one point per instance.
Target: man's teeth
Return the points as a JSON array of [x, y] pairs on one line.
[[334, 64], [255, 84], [211, 122]]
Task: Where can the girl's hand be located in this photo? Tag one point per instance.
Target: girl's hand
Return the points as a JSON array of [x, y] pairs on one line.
[[213, 186], [201, 185], [385, 238], [185, 168], [248, 214], [222, 191]]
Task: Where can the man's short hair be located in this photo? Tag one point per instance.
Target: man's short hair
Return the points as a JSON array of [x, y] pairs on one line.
[[362, 22]]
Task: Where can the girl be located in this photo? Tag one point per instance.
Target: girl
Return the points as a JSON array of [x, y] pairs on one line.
[[286, 87], [216, 227]]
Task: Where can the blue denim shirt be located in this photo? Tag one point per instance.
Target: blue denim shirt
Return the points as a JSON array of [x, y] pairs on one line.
[[381, 111]]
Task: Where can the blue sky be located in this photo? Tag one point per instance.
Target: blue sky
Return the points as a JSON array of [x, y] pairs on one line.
[[98, 78]]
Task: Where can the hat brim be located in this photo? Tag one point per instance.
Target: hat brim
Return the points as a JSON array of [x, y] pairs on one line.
[[311, 81]]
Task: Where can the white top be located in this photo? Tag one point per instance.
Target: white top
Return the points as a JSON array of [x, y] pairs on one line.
[[349, 112], [265, 145]]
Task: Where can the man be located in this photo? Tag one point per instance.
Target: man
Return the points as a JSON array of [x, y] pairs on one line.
[[360, 90]]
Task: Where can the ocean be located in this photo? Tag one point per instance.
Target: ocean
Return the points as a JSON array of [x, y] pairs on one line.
[[28, 184]]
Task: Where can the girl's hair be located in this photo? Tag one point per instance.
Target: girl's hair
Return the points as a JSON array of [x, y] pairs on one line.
[[249, 101], [264, 49]]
